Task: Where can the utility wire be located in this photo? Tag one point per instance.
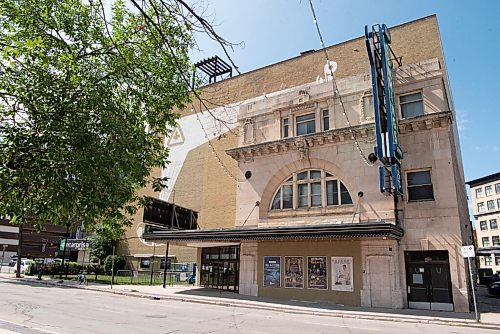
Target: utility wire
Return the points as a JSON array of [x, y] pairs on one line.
[[335, 87]]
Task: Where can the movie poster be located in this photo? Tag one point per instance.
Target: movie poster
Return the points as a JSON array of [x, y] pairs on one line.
[[294, 272], [342, 277], [272, 271], [317, 273]]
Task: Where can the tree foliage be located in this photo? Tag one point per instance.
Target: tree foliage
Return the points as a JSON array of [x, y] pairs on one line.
[[103, 238], [85, 98]]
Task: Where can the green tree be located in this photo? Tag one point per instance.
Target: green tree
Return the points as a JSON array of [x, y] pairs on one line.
[[103, 239], [86, 95]]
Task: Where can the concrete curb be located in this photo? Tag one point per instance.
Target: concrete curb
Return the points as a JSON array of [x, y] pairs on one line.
[[284, 309]]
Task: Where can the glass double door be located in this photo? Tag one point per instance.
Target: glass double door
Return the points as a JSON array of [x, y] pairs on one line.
[[428, 280], [220, 268]]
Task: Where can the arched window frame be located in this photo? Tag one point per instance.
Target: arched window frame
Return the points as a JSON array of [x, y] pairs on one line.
[[310, 188]]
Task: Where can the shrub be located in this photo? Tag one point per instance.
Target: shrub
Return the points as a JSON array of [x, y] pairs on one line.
[[31, 269], [119, 264]]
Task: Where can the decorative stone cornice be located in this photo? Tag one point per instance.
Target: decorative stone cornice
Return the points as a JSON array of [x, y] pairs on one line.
[[426, 122], [365, 132], [247, 153]]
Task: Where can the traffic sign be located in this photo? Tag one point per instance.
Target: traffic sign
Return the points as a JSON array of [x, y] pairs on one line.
[[468, 251]]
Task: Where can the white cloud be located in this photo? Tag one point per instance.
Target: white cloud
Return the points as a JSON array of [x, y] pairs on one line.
[[462, 120]]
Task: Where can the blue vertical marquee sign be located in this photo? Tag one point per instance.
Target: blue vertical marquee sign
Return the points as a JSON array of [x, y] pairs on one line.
[[388, 150]]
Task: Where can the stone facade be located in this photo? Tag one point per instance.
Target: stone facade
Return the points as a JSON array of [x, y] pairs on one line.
[[232, 169]]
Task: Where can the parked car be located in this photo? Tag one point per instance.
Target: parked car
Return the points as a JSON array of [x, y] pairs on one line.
[[494, 288], [24, 265], [488, 280], [13, 260]]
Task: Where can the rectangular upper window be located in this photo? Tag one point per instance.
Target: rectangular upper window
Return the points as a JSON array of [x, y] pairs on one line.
[[306, 124], [489, 190], [493, 224], [487, 260], [420, 186], [285, 128], [495, 240], [479, 192], [497, 188], [486, 241], [326, 120], [480, 207], [491, 205], [483, 225], [411, 105]]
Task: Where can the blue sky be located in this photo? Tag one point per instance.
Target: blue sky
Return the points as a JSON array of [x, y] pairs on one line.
[[275, 30]]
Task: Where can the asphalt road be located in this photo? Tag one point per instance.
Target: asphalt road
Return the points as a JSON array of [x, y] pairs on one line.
[[66, 310]]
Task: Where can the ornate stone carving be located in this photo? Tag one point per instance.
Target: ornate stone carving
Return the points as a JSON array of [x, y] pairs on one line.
[[302, 148], [248, 131]]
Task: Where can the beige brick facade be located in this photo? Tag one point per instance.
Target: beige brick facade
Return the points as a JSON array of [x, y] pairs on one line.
[[260, 100]]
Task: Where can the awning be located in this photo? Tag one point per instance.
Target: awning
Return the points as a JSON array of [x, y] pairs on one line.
[[488, 251], [334, 231]]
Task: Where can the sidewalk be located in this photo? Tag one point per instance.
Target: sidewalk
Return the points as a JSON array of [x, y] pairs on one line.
[[489, 319]]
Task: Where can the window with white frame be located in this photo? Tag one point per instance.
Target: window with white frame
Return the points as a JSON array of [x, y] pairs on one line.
[[498, 203], [493, 224], [486, 241], [497, 260], [491, 205], [487, 260], [488, 190], [325, 116], [479, 192], [497, 188], [495, 240], [480, 207], [483, 225], [420, 186], [285, 127], [305, 124], [411, 105], [311, 188]]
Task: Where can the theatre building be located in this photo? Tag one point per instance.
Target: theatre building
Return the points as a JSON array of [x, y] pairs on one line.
[[290, 205]]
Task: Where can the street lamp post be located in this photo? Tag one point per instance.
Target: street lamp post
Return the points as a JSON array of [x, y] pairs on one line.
[[64, 252]]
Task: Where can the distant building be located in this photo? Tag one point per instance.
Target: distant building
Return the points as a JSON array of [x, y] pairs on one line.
[[34, 244], [485, 193], [287, 205]]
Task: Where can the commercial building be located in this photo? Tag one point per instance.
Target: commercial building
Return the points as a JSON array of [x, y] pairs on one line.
[[485, 192], [275, 162]]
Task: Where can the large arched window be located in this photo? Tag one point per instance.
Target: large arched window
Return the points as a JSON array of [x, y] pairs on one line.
[[310, 188]]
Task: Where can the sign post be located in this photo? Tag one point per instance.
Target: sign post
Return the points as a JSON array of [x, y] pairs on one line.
[[468, 252]]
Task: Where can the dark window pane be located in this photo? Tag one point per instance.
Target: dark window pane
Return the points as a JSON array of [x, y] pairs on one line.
[[412, 109], [345, 197], [287, 197], [302, 176], [419, 193], [419, 178], [316, 194], [276, 200], [315, 174], [301, 129], [410, 98], [311, 127], [328, 174], [303, 118], [326, 120], [303, 195], [332, 193]]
